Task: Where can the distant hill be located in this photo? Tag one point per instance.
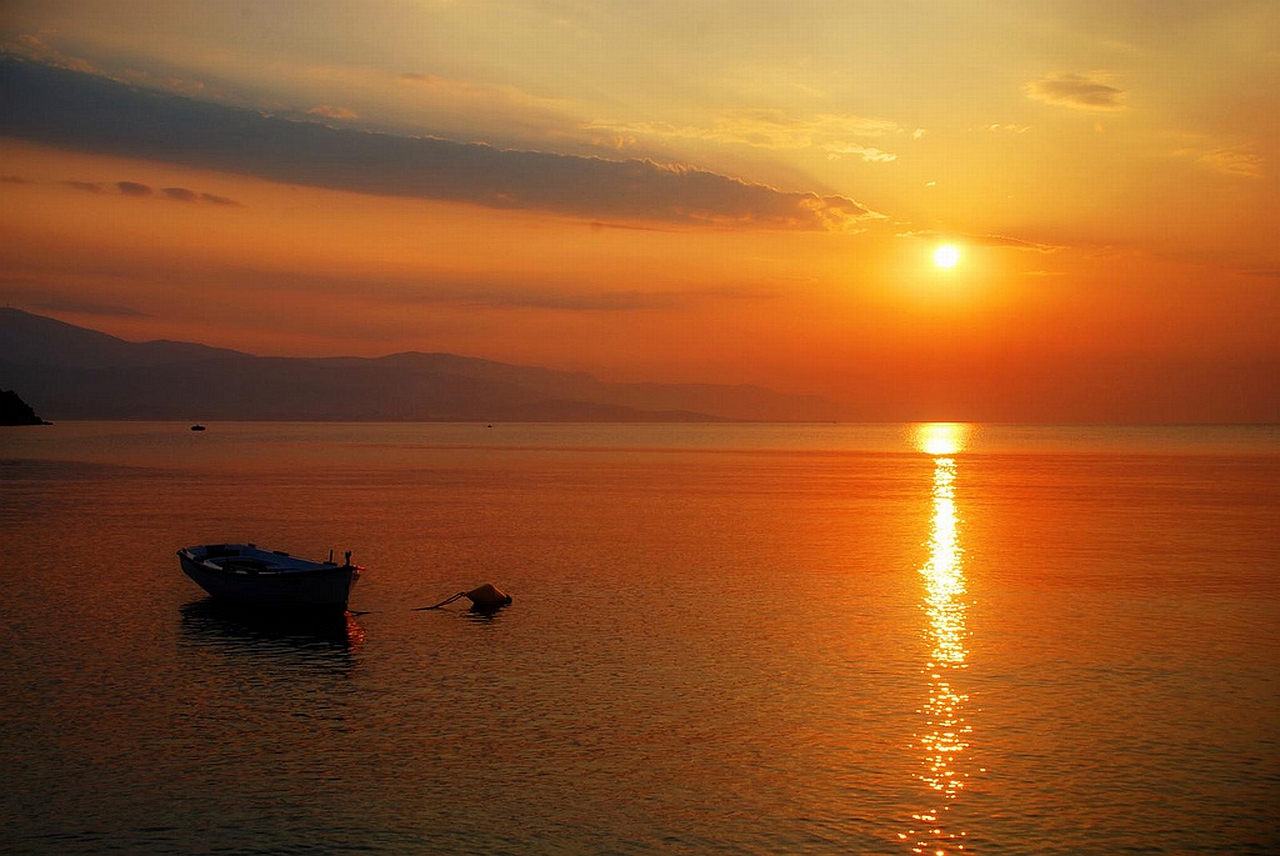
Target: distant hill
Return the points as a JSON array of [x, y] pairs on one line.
[[70, 372]]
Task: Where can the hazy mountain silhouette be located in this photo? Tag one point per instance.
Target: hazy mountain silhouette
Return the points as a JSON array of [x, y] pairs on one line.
[[69, 372]]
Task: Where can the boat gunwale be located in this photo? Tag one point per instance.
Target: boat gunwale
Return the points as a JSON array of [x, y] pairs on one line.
[[283, 564]]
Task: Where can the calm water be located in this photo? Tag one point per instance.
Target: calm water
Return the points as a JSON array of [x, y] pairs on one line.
[[725, 639]]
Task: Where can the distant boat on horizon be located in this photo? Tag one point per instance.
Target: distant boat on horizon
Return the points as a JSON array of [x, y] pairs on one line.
[[248, 575], [197, 428]]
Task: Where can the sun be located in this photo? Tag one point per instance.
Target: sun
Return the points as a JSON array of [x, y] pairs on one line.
[[946, 256]]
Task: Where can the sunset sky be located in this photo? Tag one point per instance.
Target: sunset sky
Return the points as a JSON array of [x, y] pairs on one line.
[[680, 192]]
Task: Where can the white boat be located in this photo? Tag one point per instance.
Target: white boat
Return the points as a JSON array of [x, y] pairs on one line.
[[249, 575]]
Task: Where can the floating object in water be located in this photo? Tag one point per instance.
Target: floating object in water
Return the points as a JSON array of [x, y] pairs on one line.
[[488, 596], [484, 598], [248, 575], [197, 427]]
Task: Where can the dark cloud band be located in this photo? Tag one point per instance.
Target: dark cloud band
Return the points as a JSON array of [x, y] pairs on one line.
[[90, 113]]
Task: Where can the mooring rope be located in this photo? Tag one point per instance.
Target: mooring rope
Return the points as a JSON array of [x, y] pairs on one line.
[[445, 602]]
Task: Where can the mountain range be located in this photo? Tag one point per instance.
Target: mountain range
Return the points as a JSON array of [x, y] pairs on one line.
[[70, 372]]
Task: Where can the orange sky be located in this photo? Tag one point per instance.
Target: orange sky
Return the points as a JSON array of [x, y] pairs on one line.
[[737, 193]]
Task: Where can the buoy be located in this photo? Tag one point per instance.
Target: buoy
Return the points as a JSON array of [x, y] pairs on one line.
[[485, 598], [488, 596]]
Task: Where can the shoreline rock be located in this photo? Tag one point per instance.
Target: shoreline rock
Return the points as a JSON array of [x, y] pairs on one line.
[[15, 411]]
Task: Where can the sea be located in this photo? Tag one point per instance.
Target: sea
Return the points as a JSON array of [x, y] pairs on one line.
[[724, 639]]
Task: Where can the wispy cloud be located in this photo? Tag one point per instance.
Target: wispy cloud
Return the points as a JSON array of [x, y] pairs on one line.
[[777, 129], [869, 154], [1230, 161], [555, 299], [1231, 156], [217, 200], [132, 188], [32, 47], [81, 307], [596, 225], [434, 81], [449, 93], [1086, 92], [66, 108], [491, 293], [139, 190], [987, 240], [38, 294], [42, 285], [341, 113], [609, 301]]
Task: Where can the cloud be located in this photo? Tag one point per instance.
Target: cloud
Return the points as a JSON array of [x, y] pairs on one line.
[[177, 194], [41, 284], [868, 154], [132, 188], [597, 226], [32, 47], [608, 301], [173, 84], [85, 308], [65, 108], [988, 240], [333, 112], [1234, 157], [37, 294], [142, 191], [1232, 161], [424, 79], [490, 293], [1077, 92], [515, 297], [462, 109], [775, 129], [1013, 243], [478, 95], [1009, 128]]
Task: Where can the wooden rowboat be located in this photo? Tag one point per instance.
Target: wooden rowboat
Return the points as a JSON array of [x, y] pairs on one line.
[[246, 574]]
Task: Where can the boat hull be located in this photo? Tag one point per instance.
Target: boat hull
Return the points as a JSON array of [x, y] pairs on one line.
[[323, 587]]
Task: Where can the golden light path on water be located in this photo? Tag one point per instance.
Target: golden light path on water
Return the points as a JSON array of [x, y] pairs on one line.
[[943, 738]]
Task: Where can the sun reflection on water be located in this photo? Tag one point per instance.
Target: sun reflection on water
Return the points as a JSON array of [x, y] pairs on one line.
[[941, 438], [944, 735]]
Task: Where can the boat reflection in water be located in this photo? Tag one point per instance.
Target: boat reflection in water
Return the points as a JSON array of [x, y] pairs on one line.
[[944, 734], [235, 629]]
